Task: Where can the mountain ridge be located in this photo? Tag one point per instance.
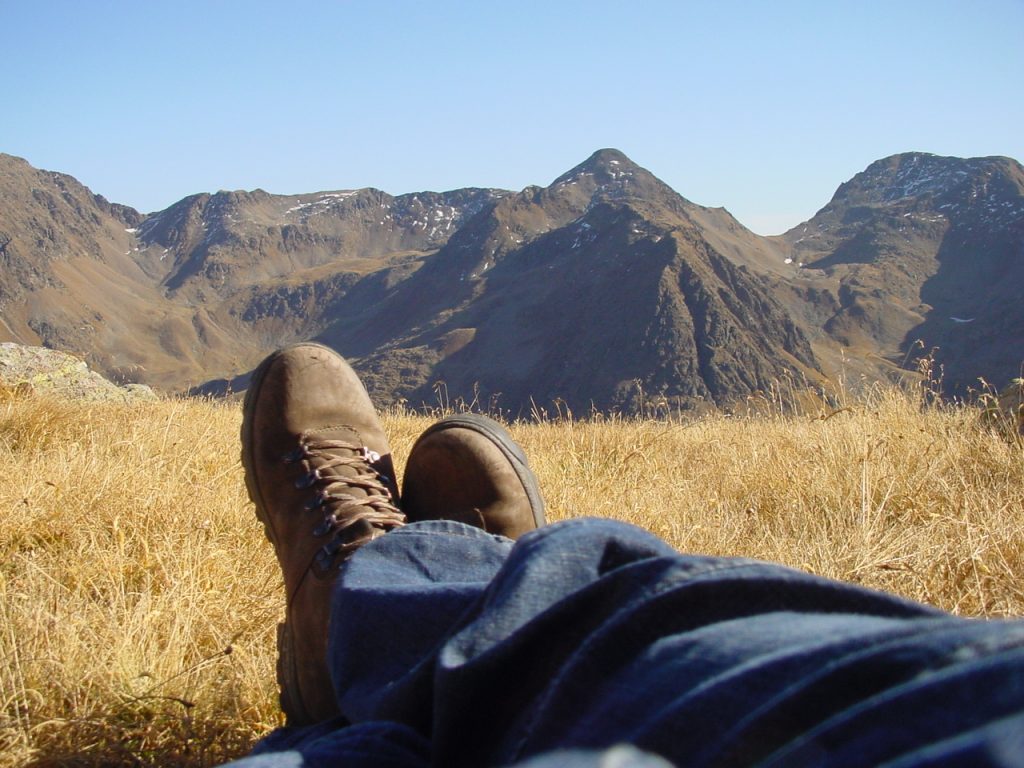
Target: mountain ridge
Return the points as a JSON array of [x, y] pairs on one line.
[[600, 290]]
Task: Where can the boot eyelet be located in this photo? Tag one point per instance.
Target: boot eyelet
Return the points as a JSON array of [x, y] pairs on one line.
[[331, 547], [308, 479], [323, 560], [294, 455]]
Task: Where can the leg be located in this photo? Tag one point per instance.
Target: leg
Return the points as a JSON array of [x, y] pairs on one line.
[[593, 633], [448, 646], [463, 468], [318, 469]]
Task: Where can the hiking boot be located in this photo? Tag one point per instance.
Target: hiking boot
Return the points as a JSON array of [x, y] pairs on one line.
[[468, 468], [318, 468]]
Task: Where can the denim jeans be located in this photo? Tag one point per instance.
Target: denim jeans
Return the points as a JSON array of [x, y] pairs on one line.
[[593, 643]]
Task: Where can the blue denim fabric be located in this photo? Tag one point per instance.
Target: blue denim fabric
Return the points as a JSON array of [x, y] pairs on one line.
[[451, 647]]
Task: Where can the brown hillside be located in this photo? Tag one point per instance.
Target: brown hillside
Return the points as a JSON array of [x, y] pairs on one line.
[[605, 289]]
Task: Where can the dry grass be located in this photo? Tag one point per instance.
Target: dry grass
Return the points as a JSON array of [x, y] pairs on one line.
[[138, 597]]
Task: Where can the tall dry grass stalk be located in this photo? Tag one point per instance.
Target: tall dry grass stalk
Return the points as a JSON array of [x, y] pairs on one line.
[[138, 597]]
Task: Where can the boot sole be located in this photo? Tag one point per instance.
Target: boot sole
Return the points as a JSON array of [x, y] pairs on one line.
[[294, 712], [498, 435]]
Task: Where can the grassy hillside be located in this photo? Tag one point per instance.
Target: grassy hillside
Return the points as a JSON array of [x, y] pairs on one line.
[[138, 597]]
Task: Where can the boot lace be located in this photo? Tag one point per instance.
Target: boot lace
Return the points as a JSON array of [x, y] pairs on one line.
[[324, 460]]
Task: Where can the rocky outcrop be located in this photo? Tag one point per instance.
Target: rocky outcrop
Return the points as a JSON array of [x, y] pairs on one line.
[[47, 371]]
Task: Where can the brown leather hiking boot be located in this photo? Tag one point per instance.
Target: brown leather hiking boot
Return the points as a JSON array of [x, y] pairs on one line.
[[318, 468], [468, 468]]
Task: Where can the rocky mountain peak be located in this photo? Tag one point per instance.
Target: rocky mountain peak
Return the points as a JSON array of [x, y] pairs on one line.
[[609, 176], [928, 253], [923, 176], [605, 166], [572, 209]]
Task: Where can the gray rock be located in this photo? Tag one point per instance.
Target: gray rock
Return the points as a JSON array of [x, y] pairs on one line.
[[39, 369]]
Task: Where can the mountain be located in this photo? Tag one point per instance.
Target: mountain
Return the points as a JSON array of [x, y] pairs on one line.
[[213, 245], [604, 290], [204, 288], [601, 290], [919, 253], [69, 281]]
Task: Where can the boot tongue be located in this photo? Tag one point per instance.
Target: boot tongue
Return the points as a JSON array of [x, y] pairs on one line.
[[341, 433], [331, 452], [357, 498]]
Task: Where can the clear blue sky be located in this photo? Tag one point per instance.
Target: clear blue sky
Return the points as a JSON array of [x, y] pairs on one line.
[[763, 108]]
